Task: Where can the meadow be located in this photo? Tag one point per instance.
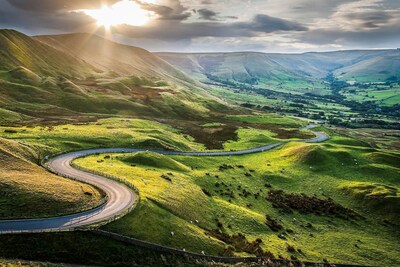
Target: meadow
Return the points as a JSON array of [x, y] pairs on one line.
[[381, 94], [112, 132], [289, 202], [23, 147]]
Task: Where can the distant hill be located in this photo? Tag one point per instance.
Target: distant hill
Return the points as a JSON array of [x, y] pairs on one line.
[[289, 70], [382, 68]]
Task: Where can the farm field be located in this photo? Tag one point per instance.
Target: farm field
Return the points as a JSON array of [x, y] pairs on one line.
[[385, 96]]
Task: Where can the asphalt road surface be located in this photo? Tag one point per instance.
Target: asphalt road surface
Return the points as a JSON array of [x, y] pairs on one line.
[[120, 197]]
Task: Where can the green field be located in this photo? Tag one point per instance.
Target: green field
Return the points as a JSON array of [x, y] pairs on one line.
[[269, 119], [187, 200], [113, 132], [381, 94], [202, 204], [24, 146]]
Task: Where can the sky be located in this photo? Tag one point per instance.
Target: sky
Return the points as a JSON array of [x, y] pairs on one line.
[[286, 26]]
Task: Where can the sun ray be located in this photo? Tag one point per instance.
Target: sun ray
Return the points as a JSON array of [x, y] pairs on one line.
[[123, 12]]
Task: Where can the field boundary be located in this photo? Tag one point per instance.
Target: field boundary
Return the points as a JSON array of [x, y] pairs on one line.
[[209, 258]]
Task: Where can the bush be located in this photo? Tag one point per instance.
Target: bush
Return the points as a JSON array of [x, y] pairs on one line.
[[272, 224], [206, 192]]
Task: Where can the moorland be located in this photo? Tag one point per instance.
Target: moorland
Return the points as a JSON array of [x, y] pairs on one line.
[[331, 202]]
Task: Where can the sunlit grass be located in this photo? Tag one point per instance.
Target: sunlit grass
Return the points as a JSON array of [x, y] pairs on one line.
[[179, 205], [29, 191]]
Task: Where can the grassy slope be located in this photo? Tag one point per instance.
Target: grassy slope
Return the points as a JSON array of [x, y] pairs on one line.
[[290, 73], [242, 67], [120, 132], [113, 132], [282, 129], [113, 57], [27, 190], [174, 206], [273, 119], [48, 81], [8, 117], [182, 96], [381, 94], [379, 69], [18, 49]]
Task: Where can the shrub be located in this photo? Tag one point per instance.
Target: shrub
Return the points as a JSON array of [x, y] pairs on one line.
[[308, 204], [11, 131], [206, 192], [166, 177], [272, 224], [291, 248]]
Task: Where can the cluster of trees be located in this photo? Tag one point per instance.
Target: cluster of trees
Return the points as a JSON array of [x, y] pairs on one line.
[[245, 85]]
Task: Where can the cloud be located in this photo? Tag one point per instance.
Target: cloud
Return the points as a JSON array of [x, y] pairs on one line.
[[362, 23], [361, 15], [56, 5], [265, 23], [35, 22], [235, 24], [207, 14], [260, 24], [170, 10]]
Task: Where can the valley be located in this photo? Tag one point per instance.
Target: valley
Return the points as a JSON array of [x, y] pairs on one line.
[[183, 118]]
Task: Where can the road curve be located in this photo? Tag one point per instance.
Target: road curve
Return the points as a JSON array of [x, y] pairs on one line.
[[120, 198]]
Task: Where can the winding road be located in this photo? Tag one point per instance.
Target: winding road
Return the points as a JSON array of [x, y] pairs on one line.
[[120, 199]]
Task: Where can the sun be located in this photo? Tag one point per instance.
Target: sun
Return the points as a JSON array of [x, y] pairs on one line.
[[123, 12]]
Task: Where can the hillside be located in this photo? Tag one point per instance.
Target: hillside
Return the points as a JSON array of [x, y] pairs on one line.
[[83, 75], [276, 71], [19, 50], [385, 68], [254, 69], [109, 56], [27, 190]]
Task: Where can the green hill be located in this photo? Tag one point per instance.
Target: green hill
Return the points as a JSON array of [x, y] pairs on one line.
[[154, 160], [27, 190], [113, 57], [17, 49], [84, 75], [384, 68], [22, 74], [255, 69], [296, 72]]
